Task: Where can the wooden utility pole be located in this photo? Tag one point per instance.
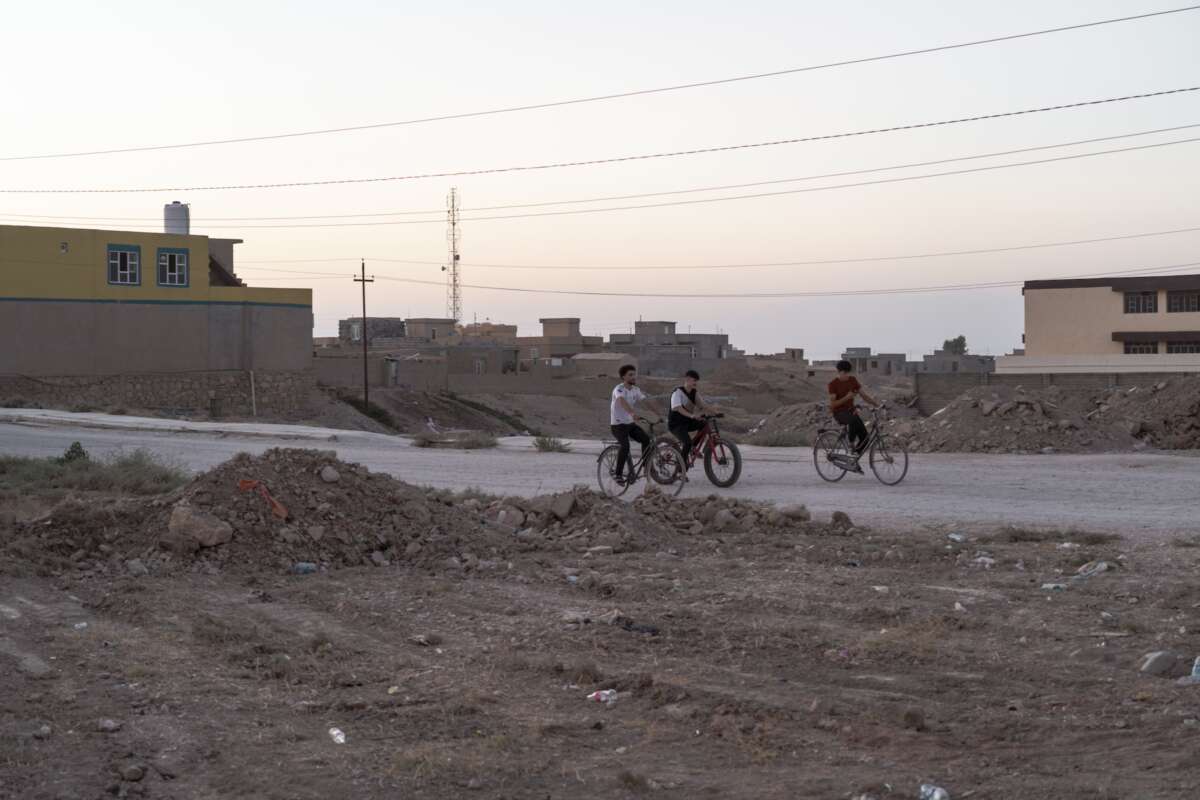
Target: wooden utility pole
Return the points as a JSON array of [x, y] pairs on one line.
[[364, 280]]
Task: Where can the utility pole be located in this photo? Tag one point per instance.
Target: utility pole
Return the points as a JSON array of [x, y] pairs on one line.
[[453, 288], [364, 280]]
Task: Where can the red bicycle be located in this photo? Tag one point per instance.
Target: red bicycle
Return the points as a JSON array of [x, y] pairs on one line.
[[722, 459]]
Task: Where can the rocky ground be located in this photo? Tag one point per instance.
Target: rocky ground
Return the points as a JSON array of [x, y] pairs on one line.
[[291, 626]]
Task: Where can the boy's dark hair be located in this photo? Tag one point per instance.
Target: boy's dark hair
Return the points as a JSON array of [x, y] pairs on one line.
[[626, 368], [691, 373], [845, 366]]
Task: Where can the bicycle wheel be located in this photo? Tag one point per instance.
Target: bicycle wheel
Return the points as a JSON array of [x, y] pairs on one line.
[[665, 467], [889, 461], [606, 472], [828, 445], [723, 464]]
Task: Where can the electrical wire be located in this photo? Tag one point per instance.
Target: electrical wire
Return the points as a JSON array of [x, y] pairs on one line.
[[614, 96], [200, 221], [773, 295], [880, 182], [820, 262], [611, 160]]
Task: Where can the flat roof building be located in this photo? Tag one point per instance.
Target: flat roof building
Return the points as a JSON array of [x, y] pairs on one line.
[[1119, 324]]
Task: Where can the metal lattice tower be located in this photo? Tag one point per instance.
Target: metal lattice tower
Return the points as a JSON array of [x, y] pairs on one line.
[[453, 287]]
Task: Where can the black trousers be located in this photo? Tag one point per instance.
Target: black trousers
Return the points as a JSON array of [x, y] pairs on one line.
[[682, 427], [858, 428], [624, 433]]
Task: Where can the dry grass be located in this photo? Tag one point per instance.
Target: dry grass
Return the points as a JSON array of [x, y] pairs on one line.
[[138, 472], [551, 444], [1014, 535], [470, 440]]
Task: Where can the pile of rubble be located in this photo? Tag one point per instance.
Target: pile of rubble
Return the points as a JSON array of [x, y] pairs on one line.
[[303, 510], [1001, 419]]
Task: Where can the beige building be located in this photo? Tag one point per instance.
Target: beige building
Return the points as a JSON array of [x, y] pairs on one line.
[[561, 338], [1131, 324], [434, 329]]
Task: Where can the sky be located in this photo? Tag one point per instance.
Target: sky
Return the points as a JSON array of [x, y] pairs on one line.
[[86, 76]]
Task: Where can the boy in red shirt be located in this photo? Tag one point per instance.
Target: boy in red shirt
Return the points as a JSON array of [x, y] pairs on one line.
[[842, 391]]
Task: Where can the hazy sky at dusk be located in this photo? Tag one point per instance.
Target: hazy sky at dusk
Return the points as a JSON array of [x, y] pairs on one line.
[[86, 76]]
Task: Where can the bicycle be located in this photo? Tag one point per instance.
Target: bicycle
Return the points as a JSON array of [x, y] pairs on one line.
[[833, 456], [662, 463], [722, 458]]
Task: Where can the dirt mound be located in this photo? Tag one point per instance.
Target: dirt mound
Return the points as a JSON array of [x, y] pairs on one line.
[[1003, 419], [303, 509]]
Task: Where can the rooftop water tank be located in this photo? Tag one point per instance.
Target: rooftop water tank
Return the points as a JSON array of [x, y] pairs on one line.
[[176, 218]]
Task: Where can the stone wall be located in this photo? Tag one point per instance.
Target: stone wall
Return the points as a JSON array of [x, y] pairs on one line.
[[218, 394], [935, 391]]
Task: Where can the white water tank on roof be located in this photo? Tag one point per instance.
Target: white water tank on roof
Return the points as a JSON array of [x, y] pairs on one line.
[[176, 218]]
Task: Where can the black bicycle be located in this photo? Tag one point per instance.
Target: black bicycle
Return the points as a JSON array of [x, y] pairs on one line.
[[833, 455], [662, 463]]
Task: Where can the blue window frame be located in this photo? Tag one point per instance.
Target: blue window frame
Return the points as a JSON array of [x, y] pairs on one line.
[[125, 265], [172, 266]]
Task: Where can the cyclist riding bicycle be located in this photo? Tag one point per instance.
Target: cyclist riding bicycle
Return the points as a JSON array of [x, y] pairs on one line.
[[621, 415], [687, 410], [842, 391]]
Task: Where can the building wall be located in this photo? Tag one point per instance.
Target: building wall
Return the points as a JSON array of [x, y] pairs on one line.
[[1121, 363], [431, 328], [349, 330], [1079, 321], [348, 372], [64, 318], [560, 327], [214, 393]]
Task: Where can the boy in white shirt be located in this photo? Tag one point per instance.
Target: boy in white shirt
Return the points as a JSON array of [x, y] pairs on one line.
[[622, 415]]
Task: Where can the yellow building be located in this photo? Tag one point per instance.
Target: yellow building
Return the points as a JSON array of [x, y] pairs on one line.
[[97, 302]]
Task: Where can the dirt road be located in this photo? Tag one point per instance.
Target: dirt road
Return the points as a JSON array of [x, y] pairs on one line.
[[1137, 495]]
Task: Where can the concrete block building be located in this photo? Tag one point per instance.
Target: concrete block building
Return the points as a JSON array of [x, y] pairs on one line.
[[85, 302], [351, 330], [561, 338], [661, 350], [82, 302]]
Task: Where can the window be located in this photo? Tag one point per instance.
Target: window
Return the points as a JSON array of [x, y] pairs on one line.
[[1141, 348], [355, 331], [1141, 302], [172, 266], [1183, 347], [1183, 301], [124, 264]]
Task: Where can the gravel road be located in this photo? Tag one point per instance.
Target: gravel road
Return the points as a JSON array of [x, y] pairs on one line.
[[1141, 495]]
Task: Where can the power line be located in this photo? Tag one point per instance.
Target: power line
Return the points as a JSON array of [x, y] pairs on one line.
[[756, 195], [615, 159], [609, 198], [777, 295], [821, 262], [614, 96]]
